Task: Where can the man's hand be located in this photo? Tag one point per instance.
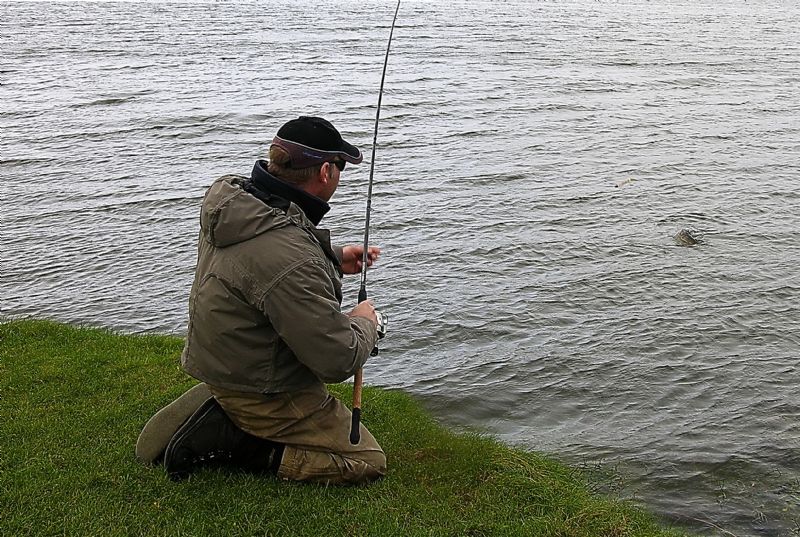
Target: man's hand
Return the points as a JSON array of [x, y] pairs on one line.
[[365, 309], [352, 257]]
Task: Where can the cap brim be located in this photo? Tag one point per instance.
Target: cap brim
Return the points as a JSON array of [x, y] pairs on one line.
[[303, 156], [351, 153]]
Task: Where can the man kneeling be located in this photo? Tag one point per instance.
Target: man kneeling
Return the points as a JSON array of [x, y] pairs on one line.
[[266, 331]]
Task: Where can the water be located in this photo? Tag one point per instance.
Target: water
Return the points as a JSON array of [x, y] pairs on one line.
[[535, 161]]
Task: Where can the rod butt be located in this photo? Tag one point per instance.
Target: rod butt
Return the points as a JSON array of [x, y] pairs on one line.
[[355, 427]]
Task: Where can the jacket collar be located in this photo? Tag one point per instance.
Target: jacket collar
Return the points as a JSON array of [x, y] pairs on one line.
[[313, 207]]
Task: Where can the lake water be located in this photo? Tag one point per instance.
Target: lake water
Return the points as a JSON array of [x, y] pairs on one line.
[[535, 160]]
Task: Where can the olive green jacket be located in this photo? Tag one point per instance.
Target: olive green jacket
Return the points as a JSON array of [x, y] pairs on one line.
[[264, 309]]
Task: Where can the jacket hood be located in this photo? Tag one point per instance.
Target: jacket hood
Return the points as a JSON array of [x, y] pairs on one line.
[[230, 215]]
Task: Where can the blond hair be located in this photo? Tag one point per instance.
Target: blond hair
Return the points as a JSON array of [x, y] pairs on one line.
[[279, 162]]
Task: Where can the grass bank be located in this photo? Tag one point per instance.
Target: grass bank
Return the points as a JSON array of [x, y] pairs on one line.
[[72, 403]]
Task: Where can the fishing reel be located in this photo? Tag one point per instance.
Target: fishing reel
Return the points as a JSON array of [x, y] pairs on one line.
[[381, 329], [383, 320]]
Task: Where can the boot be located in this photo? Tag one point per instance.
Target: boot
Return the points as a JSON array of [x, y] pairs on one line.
[[210, 438]]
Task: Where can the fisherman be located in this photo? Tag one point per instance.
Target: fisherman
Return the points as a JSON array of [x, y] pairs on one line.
[[265, 327]]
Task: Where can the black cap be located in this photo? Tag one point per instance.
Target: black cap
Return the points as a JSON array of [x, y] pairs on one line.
[[312, 140]]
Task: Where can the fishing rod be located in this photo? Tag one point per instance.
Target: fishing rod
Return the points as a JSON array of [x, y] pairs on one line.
[[358, 380]]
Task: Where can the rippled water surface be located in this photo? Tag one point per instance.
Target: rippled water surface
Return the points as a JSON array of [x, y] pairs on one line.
[[535, 161]]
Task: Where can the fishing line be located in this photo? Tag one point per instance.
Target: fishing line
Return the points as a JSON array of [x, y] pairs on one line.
[[358, 381]]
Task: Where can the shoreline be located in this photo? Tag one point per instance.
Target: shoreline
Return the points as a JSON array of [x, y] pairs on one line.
[[75, 398]]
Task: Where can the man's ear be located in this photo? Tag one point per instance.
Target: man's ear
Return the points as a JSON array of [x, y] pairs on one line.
[[320, 181], [325, 173]]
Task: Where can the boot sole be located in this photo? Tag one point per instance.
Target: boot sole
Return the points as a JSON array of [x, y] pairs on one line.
[[160, 429]]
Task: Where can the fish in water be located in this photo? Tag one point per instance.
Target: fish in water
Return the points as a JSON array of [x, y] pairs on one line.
[[685, 238]]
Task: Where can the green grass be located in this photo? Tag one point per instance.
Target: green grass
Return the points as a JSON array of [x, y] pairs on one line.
[[72, 403]]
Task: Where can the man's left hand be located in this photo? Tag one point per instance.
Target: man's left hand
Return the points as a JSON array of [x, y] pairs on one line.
[[352, 257]]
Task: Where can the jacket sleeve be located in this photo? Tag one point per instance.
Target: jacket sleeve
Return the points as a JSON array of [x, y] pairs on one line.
[[303, 309]]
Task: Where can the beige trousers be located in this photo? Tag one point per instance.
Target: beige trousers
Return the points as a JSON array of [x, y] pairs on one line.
[[315, 427]]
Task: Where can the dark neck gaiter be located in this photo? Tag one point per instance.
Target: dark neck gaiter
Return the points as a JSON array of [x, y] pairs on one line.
[[277, 193]]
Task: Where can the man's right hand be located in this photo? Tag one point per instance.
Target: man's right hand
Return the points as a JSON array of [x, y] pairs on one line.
[[365, 309]]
